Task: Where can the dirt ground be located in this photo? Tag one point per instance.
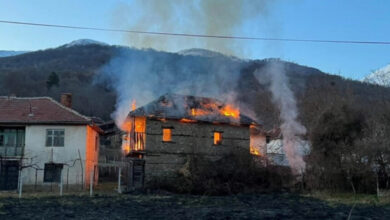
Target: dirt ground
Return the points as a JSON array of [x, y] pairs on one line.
[[172, 206]]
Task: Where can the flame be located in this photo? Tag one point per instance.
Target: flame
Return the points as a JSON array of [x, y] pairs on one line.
[[133, 105], [254, 151], [126, 143], [230, 111], [212, 108], [199, 112], [217, 138], [134, 139], [126, 147], [126, 125], [186, 120]]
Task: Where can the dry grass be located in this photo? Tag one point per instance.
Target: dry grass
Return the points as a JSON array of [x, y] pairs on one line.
[[101, 189], [350, 198]]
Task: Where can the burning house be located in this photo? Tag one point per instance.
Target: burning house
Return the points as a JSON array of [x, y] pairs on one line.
[[43, 142], [162, 135]]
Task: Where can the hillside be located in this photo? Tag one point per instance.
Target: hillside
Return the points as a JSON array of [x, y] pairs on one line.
[[91, 72], [8, 53]]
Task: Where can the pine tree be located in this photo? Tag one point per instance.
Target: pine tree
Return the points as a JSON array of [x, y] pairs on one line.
[[52, 80]]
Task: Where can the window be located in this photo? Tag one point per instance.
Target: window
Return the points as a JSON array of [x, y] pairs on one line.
[[52, 172], [1, 139], [167, 134], [217, 138], [55, 137], [267, 139], [12, 137], [96, 143]]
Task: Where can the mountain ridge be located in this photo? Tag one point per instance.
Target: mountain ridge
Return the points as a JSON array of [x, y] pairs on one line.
[[80, 68]]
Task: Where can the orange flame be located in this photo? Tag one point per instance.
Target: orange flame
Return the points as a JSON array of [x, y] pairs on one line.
[[199, 112], [133, 105], [211, 108], [125, 144], [134, 139], [186, 120], [254, 151], [230, 111], [126, 125]]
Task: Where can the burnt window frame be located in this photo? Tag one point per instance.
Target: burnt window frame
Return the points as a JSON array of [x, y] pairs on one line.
[[221, 135], [52, 172], [162, 134], [52, 137]]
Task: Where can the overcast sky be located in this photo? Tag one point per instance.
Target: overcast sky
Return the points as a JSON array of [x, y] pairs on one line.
[[359, 20]]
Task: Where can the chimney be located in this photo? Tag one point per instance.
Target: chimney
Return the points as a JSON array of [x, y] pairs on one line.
[[66, 99]]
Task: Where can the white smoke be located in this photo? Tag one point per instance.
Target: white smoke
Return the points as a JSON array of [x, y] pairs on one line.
[[283, 97], [144, 75]]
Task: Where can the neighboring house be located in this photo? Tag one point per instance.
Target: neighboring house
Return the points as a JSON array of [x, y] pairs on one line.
[[164, 134], [275, 153], [110, 151], [43, 141], [110, 143]]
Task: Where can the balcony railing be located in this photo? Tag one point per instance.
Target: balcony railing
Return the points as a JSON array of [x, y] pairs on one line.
[[137, 142], [11, 151]]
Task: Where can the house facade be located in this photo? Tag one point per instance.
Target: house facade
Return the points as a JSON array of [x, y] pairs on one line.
[[163, 135], [44, 142]]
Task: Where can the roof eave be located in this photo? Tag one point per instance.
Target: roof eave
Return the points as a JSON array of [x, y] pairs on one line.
[[197, 121], [45, 123]]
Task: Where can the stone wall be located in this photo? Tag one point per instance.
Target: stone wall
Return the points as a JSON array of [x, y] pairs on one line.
[[164, 158]]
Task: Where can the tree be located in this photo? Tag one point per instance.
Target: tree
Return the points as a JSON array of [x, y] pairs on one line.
[[52, 80], [339, 158]]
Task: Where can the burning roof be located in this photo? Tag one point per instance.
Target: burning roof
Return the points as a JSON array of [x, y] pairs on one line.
[[192, 109]]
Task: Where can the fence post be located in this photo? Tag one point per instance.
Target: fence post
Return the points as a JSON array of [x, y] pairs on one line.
[[91, 184], [119, 180], [20, 184], [61, 184]]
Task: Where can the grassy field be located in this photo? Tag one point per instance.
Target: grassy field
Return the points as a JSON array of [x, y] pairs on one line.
[[173, 206], [350, 198]]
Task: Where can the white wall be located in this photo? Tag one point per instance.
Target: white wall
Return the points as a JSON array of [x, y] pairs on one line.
[[37, 154]]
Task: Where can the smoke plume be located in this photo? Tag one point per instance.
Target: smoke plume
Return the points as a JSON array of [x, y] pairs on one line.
[[208, 17], [144, 75], [147, 74], [283, 97]]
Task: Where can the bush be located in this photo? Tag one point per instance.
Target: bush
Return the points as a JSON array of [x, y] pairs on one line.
[[232, 174]]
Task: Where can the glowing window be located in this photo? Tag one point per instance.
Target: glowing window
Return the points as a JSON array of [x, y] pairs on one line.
[[167, 134], [217, 138]]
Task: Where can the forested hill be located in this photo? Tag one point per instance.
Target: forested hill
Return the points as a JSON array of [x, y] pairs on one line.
[[73, 68]]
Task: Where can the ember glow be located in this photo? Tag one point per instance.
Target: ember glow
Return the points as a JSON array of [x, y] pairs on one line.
[[167, 134], [217, 138], [186, 120], [212, 108], [254, 151]]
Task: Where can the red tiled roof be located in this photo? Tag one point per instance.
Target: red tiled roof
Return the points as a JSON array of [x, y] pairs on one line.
[[37, 110]]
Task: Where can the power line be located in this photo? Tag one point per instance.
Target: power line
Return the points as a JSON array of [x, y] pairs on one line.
[[197, 35]]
